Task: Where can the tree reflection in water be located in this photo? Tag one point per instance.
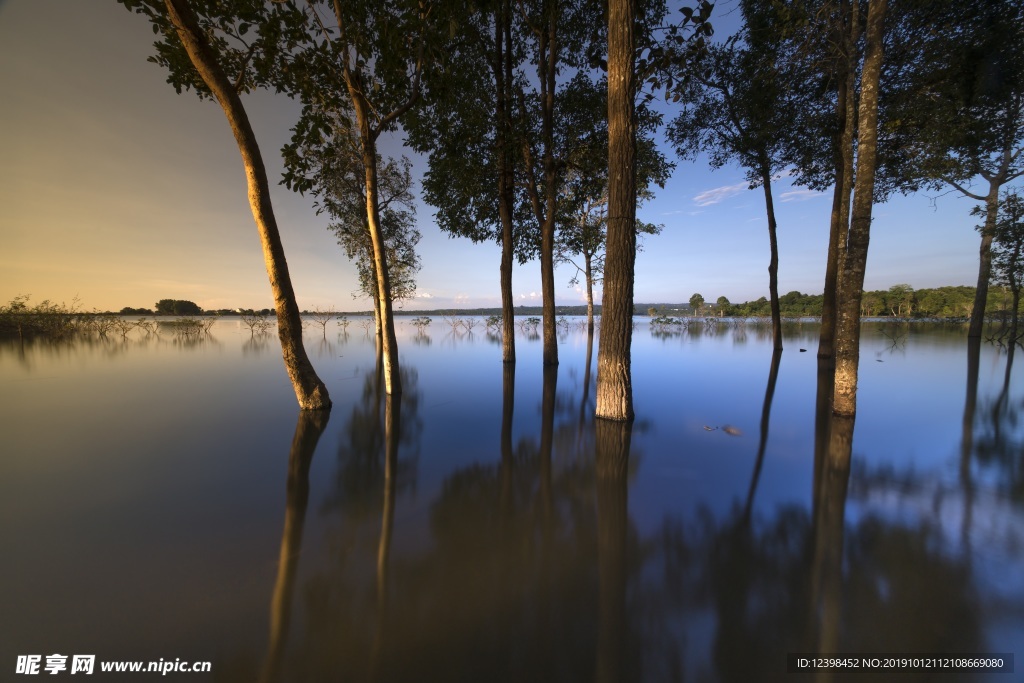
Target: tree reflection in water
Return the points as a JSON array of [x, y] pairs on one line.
[[529, 566], [311, 425]]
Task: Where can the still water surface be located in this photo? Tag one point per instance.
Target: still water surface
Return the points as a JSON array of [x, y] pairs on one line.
[[162, 497]]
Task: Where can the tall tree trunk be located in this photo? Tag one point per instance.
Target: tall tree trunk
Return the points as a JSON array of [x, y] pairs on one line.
[[547, 74], [309, 389], [389, 340], [614, 377], [840, 217], [502, 67], [851, 277], [773, 263]]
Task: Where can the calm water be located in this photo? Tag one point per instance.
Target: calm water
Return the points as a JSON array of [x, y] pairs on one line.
[[162, 498]]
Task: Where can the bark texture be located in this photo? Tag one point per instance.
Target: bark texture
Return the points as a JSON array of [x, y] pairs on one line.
[[309, 389], [851, 276], [846, 112], [614, 378], [386, 319]]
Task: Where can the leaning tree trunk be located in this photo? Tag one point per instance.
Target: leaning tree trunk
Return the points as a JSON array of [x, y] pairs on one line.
[[773, 263], [614, 378], [851, 277], [309, 389]]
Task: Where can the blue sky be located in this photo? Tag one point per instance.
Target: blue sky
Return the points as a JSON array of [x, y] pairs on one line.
[[120, 192]]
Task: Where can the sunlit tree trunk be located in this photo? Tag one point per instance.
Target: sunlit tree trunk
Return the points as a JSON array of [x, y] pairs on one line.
[[846, 112], [614, 378], [851, 275], [310, 391], [386, 319]]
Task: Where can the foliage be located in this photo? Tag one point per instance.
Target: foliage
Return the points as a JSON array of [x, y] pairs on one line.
[[324, 158], [956, 94], [45, 319], [128, 310], [697, 304], [1008, 245], [176, 307]]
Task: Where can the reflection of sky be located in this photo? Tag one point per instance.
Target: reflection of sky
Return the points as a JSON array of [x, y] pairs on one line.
[[148, 474]]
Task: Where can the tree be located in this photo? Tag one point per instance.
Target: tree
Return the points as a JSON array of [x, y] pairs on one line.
[[323, 158], [582, 234], [901, 300], [734, 109], [850, 282], [176, 307], [466, 127], [697, 304], [369, 66], [1008, 253], [614, 377], [961, 115], [198, 51], [614, 374]]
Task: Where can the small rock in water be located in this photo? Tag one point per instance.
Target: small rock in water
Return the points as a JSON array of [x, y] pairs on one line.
[[803, 350], [731, 431]]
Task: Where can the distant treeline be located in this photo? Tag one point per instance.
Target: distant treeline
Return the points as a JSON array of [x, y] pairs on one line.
[[901, 301]]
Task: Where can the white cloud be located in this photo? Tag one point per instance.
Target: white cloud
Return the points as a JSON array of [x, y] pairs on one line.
[[799, 195], [718, 194]]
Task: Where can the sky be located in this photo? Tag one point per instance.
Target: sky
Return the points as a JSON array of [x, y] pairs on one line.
[[116, 191]]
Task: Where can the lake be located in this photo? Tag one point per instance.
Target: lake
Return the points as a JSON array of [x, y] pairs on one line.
[[163, 500]]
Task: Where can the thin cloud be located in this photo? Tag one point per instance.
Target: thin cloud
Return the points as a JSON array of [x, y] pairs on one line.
[[718, 194], [799, 195]]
